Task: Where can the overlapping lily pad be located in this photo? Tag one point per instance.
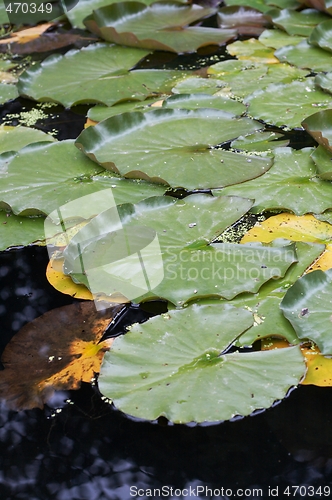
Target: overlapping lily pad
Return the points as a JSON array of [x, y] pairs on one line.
[[319, 125], [279, 103], [15, 138], [290, 184], [323, 158], [174, 366], [322, 35], [245, 20], [240, 77], [195, 101], [174, 146], [17, 231], [7, 92], [265, 305], [42, 177], [108, 79], [190, 267], [278, 38], [307, 305], [160, 26], [297, 23], [306, 56], [99, 113]]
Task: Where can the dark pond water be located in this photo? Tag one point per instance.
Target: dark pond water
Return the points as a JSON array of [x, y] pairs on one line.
[[87, 450]]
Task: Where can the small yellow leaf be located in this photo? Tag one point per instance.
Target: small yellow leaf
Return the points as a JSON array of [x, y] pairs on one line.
[[63, 283]]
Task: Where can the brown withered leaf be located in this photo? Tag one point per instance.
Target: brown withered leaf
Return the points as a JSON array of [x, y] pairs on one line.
[[56, 351], [45, 43]]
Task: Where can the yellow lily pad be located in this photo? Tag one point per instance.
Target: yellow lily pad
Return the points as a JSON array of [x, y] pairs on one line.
[[304, 228], [63, 283]]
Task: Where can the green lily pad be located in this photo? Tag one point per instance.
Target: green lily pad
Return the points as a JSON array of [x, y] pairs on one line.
[[241, 78], [306, 56], [106, 81], [222, 270], [278, 38], [99, 113], [265, 305], [259, 5], [319, 126], [7, 92], [15, 138], [279, 104], [42, 177], [322, 35], [160, 26], [174, 146], [259, 141], [324, 81], [290, 184], [196, 85], [181, 226], [195, 101], [17, 231], [323, 161], [174, 366], [307, 305], [297, 23]]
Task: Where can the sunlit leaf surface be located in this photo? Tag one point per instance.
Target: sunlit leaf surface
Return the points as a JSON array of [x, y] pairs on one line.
[[306, 56], [56, 351], [174, 365]]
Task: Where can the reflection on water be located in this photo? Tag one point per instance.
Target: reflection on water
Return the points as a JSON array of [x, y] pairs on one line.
[[84, 449]]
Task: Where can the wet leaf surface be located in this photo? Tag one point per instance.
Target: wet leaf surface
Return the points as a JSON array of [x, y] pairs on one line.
[[174, 365], [56, 351], [131, 144]]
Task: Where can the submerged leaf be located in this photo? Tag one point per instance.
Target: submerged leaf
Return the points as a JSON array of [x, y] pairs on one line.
[[56, 351], [175, 366]]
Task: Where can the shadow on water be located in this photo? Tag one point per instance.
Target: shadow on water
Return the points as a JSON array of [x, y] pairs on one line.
[[80, 447]]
